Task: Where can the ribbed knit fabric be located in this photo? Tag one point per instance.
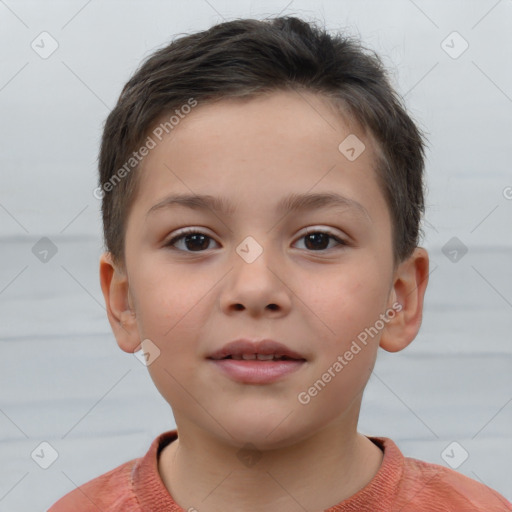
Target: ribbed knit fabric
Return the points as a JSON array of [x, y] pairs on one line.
[[402, 484]]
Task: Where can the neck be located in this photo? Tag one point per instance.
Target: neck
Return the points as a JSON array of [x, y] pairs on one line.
[[313, 474]]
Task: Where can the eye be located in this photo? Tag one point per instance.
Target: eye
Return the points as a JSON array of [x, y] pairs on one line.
[[319, 240], [192, 239]]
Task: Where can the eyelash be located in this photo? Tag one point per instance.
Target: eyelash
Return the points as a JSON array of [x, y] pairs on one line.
[[192, 231]]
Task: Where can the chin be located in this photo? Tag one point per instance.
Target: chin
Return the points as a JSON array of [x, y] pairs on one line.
[[265, 431]]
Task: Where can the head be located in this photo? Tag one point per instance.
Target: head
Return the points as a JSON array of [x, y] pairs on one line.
[[271, 120]]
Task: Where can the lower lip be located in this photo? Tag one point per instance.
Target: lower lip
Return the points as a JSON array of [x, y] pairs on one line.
[[257, 372]]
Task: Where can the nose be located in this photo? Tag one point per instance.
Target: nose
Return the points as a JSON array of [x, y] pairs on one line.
[[259, 288]]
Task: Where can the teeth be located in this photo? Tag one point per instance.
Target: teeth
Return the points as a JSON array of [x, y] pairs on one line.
[[259, 357], [264, 357]]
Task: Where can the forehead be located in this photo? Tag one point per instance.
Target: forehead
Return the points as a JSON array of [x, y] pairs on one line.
[[281, 142], [297, 115]]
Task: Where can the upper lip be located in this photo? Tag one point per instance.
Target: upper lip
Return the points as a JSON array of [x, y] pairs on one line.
[[247, 346]]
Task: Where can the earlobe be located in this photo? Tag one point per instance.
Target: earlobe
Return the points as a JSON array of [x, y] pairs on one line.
[[410, 283], [120, 311]]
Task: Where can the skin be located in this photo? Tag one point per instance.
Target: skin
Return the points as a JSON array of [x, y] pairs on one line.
[[315, 298]]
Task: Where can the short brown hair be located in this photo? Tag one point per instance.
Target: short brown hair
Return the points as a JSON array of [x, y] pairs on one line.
[[245, 58]]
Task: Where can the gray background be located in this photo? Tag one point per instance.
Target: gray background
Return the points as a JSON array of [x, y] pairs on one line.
[[63, 378]]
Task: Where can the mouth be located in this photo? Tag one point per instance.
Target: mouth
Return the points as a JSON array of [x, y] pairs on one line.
[[259, 357], [256, 362], [250, 350]]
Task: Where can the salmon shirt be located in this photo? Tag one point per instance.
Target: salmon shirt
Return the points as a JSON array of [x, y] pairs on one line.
[[401, 484]]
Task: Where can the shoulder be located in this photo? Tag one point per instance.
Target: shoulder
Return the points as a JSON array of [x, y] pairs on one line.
[[438, 488], [111, 492], [131, 487]]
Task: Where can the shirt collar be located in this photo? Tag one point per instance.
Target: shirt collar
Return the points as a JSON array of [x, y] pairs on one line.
[[378, 494]]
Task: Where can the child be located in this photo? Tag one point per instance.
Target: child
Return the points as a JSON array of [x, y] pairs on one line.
[[258, 138]]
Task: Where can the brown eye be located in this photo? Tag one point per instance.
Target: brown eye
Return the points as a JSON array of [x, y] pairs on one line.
[[191, 241], [320, 240]]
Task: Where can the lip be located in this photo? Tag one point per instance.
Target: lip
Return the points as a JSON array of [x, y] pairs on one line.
[[254, 371], [248, 346]]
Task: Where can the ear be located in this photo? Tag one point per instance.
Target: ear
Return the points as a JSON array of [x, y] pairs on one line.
[[406, 299], [120, 311]]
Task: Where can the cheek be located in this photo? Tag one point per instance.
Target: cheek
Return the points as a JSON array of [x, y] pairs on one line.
[[347, 302], [167, 301], [346, 351], [170, 309]]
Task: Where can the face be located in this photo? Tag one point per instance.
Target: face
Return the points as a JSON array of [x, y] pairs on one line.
[[313, 277]]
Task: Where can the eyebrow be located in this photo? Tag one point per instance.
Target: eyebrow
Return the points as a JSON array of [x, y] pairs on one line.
[[291, 203]]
